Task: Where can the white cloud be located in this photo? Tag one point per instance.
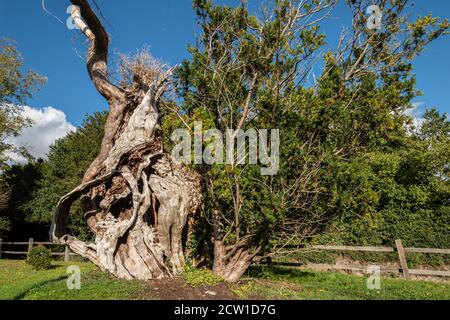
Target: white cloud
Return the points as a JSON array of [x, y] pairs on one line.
[[417, 112], [49, 125]]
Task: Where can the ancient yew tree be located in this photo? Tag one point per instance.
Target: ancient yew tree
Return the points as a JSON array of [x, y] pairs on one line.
[[135, 198]]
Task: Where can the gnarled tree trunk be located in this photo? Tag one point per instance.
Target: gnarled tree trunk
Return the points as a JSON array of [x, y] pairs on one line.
[[136, 199], [231, 263], [233, 260]]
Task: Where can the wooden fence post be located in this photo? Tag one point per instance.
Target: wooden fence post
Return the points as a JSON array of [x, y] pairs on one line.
[[402, 258], [30, 245], [1, 243], [67, 254]]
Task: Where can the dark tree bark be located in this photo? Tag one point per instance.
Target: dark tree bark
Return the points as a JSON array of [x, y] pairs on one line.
[[136, 199]]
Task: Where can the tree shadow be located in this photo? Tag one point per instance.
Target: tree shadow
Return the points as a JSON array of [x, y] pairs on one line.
[[283, 270], [22, 295]]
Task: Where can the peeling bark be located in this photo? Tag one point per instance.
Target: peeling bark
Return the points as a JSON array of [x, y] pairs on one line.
[[135, 198]]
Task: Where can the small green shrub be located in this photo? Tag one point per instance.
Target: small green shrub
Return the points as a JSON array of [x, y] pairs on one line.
[[40, 258], [200, 277]]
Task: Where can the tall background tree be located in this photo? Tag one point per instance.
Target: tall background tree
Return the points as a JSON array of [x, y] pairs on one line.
[[5, 194], [35, 188], [23, 179], [15, 88], [68, 160]]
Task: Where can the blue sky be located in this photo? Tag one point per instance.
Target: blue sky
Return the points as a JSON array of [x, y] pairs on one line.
[[48, 47]]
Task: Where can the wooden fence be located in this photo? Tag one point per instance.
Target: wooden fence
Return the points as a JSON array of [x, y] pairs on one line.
[[401, 252], [399, 249], [29, 245]]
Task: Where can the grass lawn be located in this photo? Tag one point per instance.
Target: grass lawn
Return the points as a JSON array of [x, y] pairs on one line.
[[20, 281], [292, 284]]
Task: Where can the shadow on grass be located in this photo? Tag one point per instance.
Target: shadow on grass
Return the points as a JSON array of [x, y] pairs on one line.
[[22, 295], [272, 271], [52, 267]]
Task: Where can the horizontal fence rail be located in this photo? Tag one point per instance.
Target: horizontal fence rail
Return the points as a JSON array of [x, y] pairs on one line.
[[30, 244], [352, 248], [399, 249]]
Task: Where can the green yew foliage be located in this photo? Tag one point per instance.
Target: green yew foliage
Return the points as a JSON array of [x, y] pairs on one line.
[[348, 133]]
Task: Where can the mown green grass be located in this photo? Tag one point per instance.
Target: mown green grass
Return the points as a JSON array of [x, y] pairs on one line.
[[285, 283], [19, 281]]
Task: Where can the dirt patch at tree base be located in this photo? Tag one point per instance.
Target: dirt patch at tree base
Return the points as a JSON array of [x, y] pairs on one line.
[[178, 289]]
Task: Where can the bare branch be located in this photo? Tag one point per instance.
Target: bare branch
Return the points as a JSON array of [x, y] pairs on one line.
[[98, 53]]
